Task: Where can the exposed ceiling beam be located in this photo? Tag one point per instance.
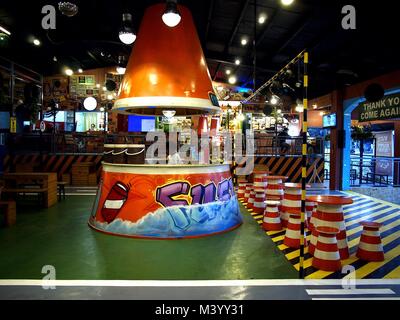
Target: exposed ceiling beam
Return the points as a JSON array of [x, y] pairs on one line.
[[210, 14], [246, 66], [237, 24]]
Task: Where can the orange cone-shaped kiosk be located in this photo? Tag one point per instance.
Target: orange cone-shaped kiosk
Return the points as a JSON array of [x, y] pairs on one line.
[[166, 71], [326, 255]]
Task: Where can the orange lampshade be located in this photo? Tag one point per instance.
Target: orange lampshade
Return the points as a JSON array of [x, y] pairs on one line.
[[167, 69]]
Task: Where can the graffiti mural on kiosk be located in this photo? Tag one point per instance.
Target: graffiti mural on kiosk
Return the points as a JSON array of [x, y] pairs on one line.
[[165, 206]]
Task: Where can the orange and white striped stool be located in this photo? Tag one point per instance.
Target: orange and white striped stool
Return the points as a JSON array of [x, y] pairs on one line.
[[309, 210], [370, 247], [291, 202], [293, 231], [250, 203], [272, 219], [326, 255], [330, 214], [247, 193], [259, 201], [241, 190], [274, 190], [260, 179]]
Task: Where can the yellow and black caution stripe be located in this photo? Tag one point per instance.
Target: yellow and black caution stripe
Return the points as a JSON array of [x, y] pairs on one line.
[[290, 166], [363, 208]]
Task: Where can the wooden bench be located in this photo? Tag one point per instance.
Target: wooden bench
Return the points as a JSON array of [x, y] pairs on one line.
[[10, 212]]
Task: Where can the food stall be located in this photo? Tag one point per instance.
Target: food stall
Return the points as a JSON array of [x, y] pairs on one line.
[[166, 75]]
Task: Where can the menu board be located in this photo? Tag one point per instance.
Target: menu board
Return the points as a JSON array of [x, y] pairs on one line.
[[384, 148]]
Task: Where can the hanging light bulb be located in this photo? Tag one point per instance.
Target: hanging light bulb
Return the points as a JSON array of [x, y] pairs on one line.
[[171, 16], [169, 113], [127, 34], [121, 68]]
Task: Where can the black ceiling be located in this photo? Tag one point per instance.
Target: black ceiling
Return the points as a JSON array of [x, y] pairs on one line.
[[338, 57]]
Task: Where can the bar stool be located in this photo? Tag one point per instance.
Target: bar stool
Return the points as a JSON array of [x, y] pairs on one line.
[[291, 202], [293, 231], [259, 201], [274, 190], [241, 190], [330, 214], [370, 247], [260, 179], [272, 219], [250, 203], [247, 193], [326, 256]]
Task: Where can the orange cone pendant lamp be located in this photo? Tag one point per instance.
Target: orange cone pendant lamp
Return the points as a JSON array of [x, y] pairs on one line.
[[167, 70]]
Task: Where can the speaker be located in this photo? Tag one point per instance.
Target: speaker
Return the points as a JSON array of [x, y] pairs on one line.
[[341, 135]]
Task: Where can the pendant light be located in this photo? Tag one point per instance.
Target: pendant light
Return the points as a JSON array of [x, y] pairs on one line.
[[171, 16], [127, 34]]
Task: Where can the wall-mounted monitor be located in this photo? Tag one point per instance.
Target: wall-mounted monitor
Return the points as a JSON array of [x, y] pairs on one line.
[[329, 120]]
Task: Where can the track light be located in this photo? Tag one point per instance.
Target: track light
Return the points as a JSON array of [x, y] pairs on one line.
[[127, 34], [68, 72], [262, 18], [36, 42], [171, 16], [243, 41], [228, 72], [237, 62], [274, 100]]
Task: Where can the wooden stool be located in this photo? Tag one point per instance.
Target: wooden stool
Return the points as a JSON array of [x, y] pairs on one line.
[[10, 212]]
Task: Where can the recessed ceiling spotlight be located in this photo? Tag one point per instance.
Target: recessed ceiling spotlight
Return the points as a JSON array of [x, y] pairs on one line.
[[36, 42], [55, 59], [243, 41], [228, 72], [232, 80], [315, 106], [287, 2], [237, 62], [262, 18], [80, 70]]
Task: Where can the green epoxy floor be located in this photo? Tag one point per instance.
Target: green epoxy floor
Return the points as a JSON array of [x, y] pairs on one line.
[[60, 237]]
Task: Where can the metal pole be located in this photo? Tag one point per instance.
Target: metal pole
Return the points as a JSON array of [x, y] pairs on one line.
[[304, 166]]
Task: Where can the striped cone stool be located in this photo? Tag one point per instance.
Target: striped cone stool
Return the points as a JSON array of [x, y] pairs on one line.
[[326, 255], [332, 216], [370, 247], [242, 190], [309, 210], [291, 202], [259, 201], [260, 179], [250, 203], [272, 220], [274, 190], [293, 232], [314, 233], [247, 193]]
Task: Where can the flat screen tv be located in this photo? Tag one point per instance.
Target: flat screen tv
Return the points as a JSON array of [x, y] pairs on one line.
[[329, 120]]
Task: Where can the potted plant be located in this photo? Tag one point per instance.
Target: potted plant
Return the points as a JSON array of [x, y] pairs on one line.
[[361, 134]]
